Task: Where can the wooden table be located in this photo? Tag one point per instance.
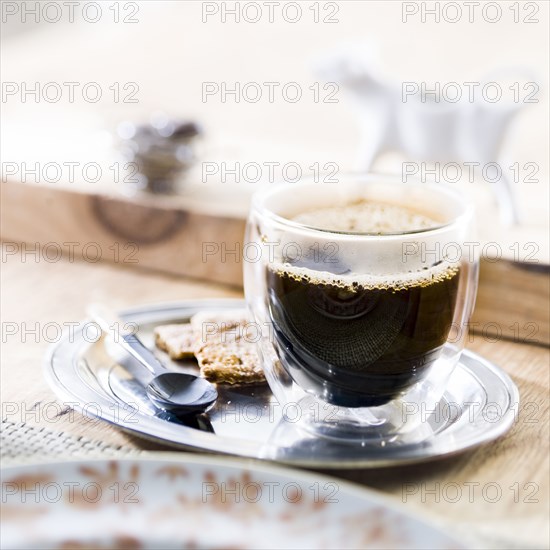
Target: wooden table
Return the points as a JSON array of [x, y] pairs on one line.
[[37, 293]]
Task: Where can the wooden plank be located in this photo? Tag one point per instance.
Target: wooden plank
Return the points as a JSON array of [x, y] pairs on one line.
[[191, 238], [147, 233], [513, 302]]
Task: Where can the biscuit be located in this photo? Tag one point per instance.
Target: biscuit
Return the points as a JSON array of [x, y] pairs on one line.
[[235, 363], [223, 343], [219, 327], [225, 347], [179, 341]]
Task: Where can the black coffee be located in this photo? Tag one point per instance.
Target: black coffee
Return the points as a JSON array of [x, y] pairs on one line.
[[357, 344]]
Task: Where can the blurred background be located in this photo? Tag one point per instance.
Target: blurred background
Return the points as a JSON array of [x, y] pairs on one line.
[[168, 52], [100, 82]]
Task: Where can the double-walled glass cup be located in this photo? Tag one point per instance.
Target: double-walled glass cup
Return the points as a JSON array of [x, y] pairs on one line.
[[360, 331]]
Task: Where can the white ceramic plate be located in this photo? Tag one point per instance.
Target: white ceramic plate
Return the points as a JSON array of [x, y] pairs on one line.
[[193, 501]]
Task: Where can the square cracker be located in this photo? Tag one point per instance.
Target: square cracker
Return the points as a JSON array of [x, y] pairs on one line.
[[225, 347], [224, 329], [177, 340], [219, 327], [235, 363], [223, 343]]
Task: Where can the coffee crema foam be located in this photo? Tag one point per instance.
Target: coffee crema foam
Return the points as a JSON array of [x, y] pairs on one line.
[[356, 283], [365, 216]]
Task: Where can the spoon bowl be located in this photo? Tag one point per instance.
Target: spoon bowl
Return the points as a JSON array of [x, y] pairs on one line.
[[181, 393], [176, 392]]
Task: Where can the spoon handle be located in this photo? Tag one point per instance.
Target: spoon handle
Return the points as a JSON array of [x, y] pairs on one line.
[[133, 345], [111, 324]]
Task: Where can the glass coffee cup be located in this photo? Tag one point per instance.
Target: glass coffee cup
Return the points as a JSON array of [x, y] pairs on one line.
[[362, 291]]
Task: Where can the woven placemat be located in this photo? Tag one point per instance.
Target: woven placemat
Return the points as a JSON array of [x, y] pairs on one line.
[[22, 442]]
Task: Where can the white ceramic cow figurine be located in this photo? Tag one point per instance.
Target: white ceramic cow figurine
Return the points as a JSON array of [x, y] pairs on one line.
[[423, 128]]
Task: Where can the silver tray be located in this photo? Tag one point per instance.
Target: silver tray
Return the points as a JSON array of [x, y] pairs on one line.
[[248, 421]]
